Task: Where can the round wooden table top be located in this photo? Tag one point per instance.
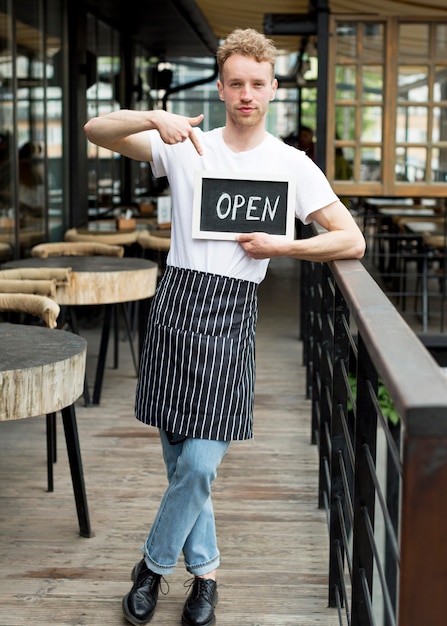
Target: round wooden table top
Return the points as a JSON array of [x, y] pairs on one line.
[[41, 370], [99, 279]]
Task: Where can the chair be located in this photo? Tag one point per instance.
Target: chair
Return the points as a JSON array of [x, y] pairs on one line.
[[76, 248], [61, 275], [39, 306], [37, 287]]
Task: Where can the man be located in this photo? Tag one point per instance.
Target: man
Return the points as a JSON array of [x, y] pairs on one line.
[[196, 381]]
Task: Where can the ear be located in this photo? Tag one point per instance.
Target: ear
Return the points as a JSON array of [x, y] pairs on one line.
[[220, 90], [274, 88]]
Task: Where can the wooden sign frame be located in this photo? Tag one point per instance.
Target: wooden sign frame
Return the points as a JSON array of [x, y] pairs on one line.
[[227, 203]]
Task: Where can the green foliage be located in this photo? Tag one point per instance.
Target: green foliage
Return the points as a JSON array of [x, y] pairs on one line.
[[383, 397]]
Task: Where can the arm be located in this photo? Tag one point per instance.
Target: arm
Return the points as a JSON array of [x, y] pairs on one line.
[[126, 131], [342, 240]]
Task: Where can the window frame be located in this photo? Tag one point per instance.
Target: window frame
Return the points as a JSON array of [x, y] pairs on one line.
[[387, 185]]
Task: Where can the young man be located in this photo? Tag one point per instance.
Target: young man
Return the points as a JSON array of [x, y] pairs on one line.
[[196, 381]]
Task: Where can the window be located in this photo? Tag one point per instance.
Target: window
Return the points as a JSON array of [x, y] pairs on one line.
[[31, 140], [387, 133], [103, 61]]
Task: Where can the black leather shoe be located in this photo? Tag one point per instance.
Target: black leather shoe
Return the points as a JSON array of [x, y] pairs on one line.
[[139, 603], [199, 606]]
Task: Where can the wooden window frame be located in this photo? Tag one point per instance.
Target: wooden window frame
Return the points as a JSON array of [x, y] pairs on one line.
[[388, 185]]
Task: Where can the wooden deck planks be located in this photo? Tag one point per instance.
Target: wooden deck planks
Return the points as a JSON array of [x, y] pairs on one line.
[[273, 538]]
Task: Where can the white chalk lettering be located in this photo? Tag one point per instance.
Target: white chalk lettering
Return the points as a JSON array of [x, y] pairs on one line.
[[239, 202], [223, 214], [252, 207], [228, 207], [269, 209]]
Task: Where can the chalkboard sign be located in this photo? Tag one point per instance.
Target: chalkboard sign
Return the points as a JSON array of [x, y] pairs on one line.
[[226, 204]]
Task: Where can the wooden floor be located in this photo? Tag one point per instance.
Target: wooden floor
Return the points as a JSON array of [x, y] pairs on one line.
[[273, 538]]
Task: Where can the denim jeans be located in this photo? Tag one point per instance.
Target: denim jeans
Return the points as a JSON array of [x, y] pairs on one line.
[[185, 519]]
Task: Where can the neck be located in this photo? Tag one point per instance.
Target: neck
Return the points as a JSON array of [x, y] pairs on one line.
[[241, 139]]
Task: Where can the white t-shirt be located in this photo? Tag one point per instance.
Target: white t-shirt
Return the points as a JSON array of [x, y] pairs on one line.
[[179, 163]]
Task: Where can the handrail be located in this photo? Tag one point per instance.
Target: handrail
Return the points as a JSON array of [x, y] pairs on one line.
[[409, 372], [351, 329]]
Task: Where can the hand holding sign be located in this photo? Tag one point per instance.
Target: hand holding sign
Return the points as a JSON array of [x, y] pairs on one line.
[[263, 246]]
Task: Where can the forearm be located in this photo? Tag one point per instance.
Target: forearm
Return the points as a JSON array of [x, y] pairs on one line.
[[326, 246], [117, 131], [126, 131]]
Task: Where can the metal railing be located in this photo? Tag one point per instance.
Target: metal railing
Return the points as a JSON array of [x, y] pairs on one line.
[[382, 480]]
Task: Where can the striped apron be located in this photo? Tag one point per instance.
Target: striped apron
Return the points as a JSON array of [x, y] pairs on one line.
[[197, 368]]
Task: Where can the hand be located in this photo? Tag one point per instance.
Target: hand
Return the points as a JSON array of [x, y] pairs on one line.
[[261, 245], [178, 128]]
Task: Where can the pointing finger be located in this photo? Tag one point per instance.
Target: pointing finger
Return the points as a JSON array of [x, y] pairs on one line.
[[196, 143]]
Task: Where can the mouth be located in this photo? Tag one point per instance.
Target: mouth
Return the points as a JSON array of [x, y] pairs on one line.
[[246, 110]]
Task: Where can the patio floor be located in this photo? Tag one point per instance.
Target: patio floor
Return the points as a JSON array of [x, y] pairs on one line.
[[273, 538]]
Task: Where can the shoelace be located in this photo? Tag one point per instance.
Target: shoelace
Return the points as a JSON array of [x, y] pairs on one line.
[[202, 588], [148, 577]]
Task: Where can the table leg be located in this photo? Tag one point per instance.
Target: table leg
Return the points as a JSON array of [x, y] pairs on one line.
[[116, 335], [51, 448], [128, 326], [77, 474], [102, 353]]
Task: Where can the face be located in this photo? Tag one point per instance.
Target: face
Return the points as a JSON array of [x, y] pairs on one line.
[[246, 87]]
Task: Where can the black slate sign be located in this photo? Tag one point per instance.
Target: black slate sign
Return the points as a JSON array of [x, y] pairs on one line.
[[228, 204]]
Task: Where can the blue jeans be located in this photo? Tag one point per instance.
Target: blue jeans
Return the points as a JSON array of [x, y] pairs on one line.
[[185, 519]]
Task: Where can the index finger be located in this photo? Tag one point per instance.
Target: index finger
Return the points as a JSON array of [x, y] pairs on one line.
[[195, 142]]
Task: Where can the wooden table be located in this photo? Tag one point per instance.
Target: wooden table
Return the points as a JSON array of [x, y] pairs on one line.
[[106, 281], [42, 372]]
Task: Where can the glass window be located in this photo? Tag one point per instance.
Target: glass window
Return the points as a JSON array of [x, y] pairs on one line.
[[54, 107], [439, 165], [439, 124], [372, 42], [441, 40], [371, 124], [103, 60], [344, 159], [372, 83], [440, 84], [411, 163], [345, 77], [413, 41], [345, 123], [413, 83], [31, 139], [7, 135], [347, 41], [406, 94], [371, 163], [412, 124]]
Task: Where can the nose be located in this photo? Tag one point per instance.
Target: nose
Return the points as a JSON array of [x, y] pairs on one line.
[[246, 93]]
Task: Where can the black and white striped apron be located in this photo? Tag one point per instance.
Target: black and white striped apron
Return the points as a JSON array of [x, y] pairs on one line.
[[197, 368]]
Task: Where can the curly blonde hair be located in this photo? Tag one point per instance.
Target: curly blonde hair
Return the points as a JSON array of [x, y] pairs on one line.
[[247, 42]]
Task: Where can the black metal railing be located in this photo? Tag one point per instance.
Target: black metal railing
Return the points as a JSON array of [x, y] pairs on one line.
[[379, 419]]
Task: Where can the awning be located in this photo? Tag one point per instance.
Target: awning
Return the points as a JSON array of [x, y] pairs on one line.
[[225, 16]]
